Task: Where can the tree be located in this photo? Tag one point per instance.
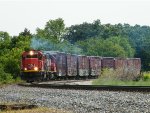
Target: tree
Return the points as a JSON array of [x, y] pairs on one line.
[[53, 31], [11, 61], [23, 40], [125, 44], [4, 40], [26, 32], [83, 31], [111, 47]]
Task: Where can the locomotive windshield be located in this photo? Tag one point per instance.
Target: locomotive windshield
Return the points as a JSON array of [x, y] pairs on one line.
[[32, 56]]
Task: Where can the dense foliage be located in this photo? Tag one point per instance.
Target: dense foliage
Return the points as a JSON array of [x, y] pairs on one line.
[[113, 46], [120, 40]]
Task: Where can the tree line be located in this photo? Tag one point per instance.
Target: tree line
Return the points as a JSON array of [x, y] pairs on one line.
[[106, 40]]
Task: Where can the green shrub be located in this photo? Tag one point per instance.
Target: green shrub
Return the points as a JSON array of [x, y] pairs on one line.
[[5, 77], [146, 76], [123, 74], [120, 77]]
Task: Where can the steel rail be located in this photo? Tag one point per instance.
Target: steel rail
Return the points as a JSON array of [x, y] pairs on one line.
[[91, 87]]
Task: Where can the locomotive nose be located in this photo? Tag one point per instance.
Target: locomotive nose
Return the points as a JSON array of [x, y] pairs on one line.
[[32, 64]]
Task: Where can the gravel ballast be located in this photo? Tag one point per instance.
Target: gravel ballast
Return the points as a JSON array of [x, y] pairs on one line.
[[78, 101]]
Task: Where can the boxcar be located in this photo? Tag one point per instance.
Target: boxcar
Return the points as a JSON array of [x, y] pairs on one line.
[[61, 64], [71, 65], [137, 65], [94, 66], [83, 66], [134, 65], [108, 62], [120, 63]]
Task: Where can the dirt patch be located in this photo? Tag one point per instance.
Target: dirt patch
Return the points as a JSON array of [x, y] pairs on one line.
[[16, 107]]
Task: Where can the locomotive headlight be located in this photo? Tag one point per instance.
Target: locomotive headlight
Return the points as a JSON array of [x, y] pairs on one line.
[[31, 53], [35, 68], [25, 68]]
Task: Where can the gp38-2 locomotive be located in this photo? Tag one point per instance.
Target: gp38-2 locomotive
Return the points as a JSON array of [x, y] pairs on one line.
[[46, 65]]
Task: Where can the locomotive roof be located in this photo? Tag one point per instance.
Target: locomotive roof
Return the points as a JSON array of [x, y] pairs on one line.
[[95, 56], [36, 51], [133, 58], [50, 52], [107, 57]]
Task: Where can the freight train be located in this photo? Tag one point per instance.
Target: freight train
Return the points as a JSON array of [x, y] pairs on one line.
[[46, 65]]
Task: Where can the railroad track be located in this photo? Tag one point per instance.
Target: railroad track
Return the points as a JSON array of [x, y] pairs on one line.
[[90, 87], [63, 81]]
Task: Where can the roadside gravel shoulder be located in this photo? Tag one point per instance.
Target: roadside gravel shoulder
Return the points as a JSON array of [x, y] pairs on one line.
[[78, 101]]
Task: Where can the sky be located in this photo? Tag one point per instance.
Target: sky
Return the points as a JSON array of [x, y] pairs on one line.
[[16, 15]]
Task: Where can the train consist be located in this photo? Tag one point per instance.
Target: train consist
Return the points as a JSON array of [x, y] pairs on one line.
[[42, 65]]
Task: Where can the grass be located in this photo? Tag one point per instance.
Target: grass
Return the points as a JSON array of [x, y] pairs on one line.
[[14, 81], [38, 110], [120, 82], [110, 77], [33, 110]]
